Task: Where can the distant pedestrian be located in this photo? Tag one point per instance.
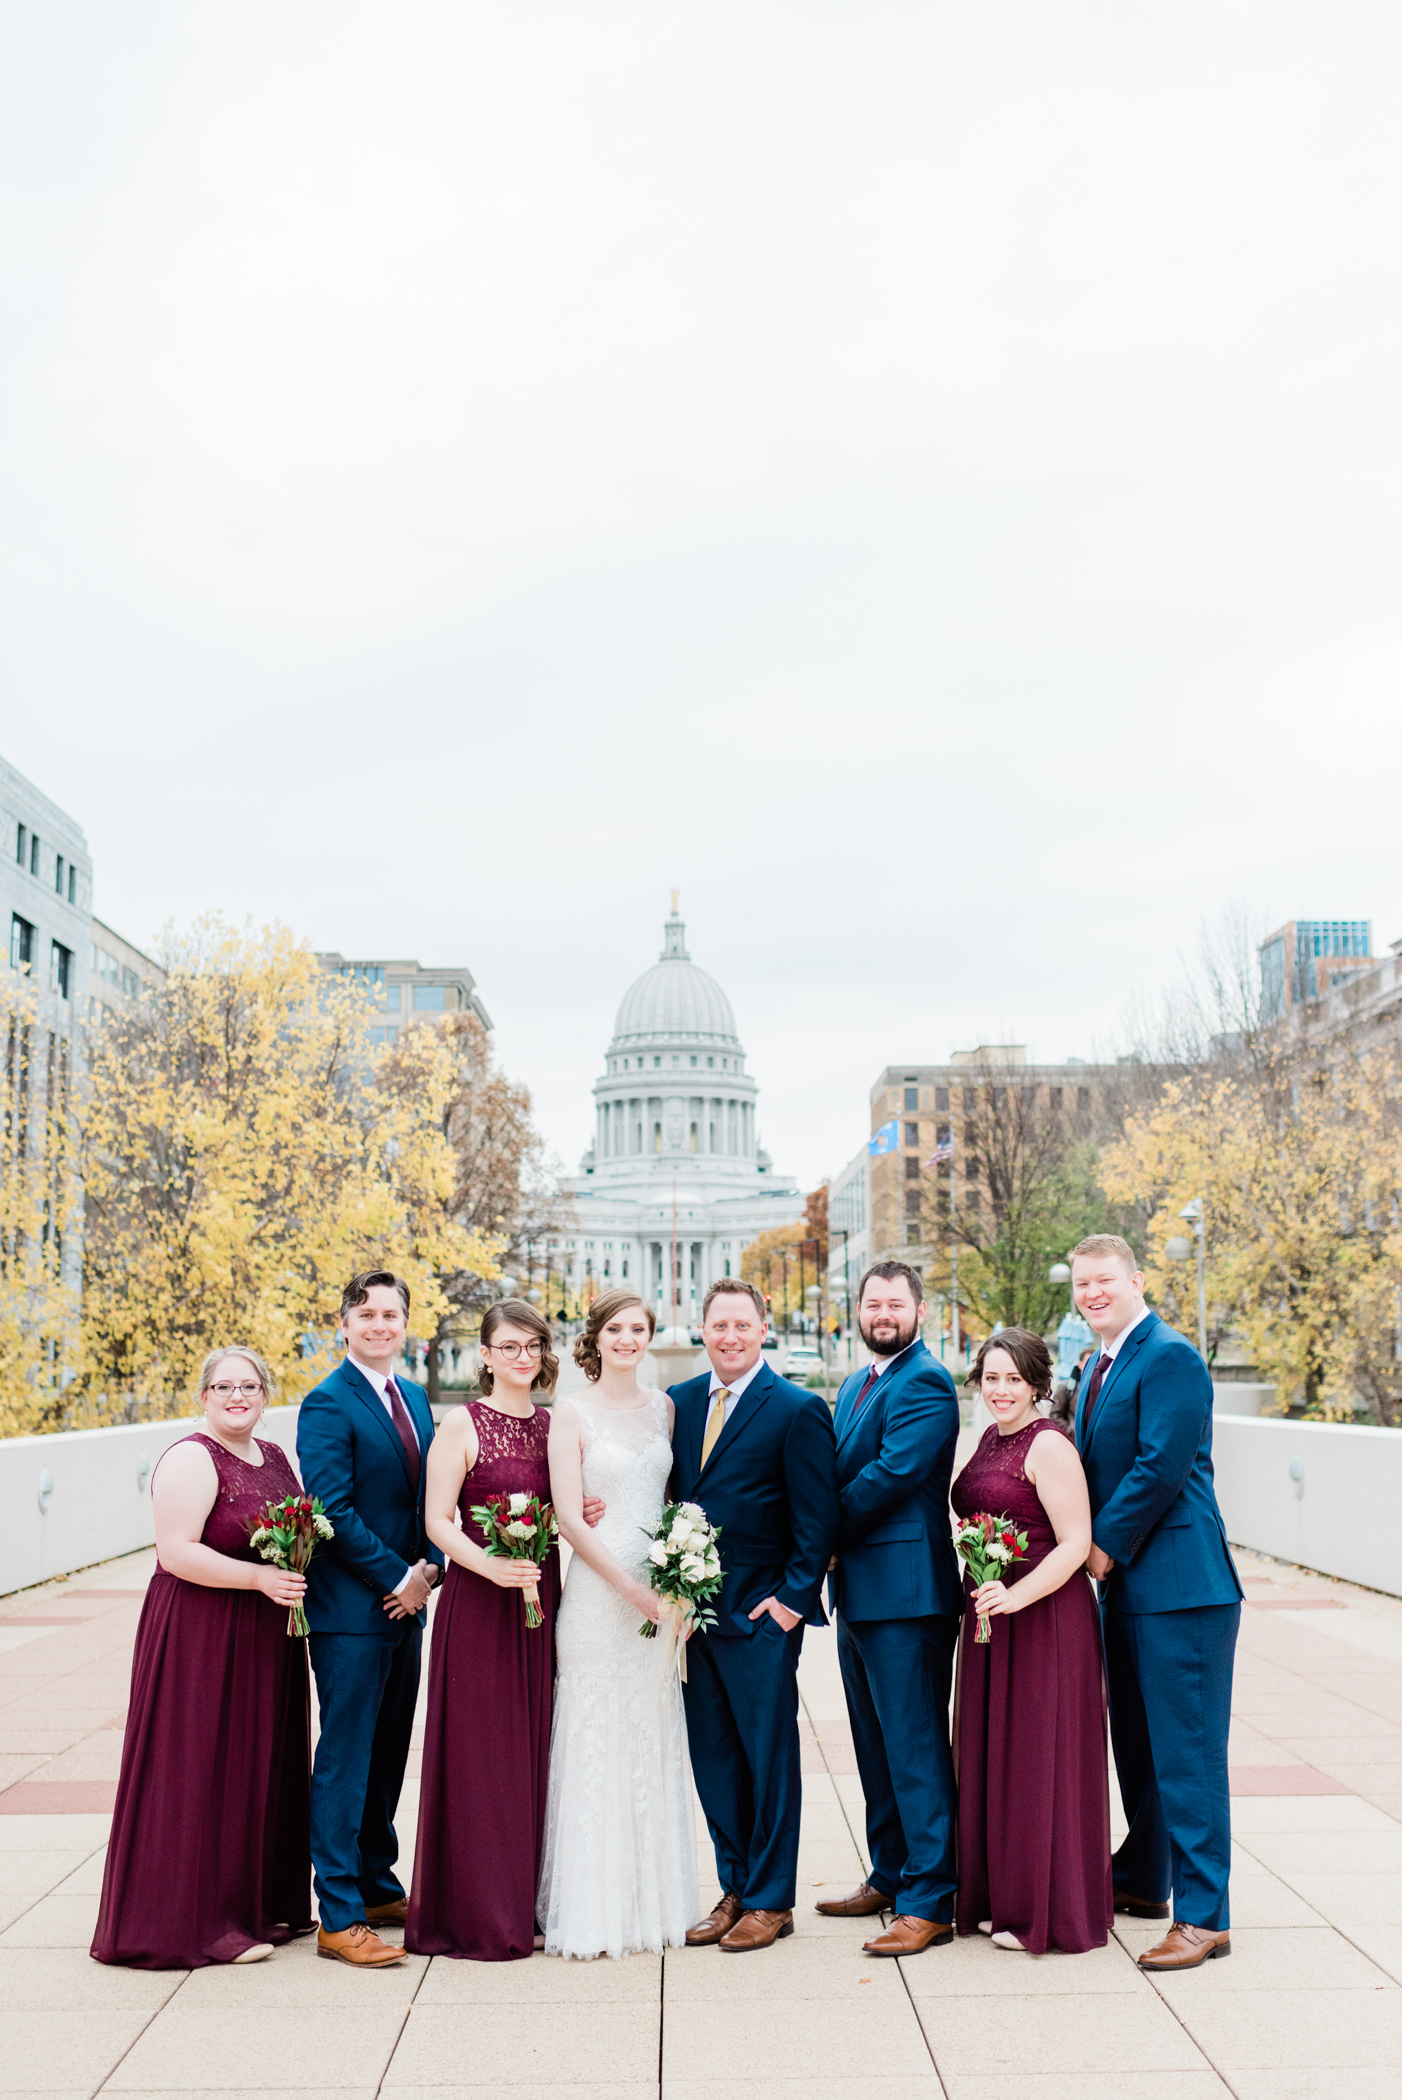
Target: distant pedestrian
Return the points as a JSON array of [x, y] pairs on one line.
[[209, 1859], [1063, 1400]]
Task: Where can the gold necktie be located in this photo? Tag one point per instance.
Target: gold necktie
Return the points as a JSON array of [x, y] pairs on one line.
[[715, 1422]]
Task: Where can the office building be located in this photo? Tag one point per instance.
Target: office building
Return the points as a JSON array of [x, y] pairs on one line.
[[1303, 960], [46, 897], [403, 990]]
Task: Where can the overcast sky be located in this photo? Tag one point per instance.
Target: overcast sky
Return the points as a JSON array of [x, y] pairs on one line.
[[924, 479]]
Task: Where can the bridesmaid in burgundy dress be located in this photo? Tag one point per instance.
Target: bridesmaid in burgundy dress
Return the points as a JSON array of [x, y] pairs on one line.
[[1029, 1729], [487, 1732], [209, 1858]]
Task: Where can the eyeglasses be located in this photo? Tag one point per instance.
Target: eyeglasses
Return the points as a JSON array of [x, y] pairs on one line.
[[511, 1350], [249, 1390]]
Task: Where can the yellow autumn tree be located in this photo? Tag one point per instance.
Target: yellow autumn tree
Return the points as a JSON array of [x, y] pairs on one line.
[[242, 1157], [40, 1213], [1299, 1172]]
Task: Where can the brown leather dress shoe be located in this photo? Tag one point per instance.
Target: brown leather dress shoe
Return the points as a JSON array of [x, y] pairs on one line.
[[713, 1929], [361, 1947], [387, 1913], [1139, 1906], [910, 1936], [757, 1928], [1187, 1947], [864, 1902]]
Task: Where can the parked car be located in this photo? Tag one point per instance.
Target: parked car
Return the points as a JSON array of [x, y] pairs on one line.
[[802, 1359]]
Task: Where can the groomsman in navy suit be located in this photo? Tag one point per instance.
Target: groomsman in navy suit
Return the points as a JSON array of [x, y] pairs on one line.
[[896, 1591], [362, 1442], [757, 1454], [1171, 1604]]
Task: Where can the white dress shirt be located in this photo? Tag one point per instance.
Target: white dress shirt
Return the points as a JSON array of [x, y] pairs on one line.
[[734, 1393], [1112, 1349], [380, 1380]]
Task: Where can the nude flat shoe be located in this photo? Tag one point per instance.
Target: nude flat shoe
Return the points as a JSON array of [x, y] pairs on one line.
[[260, 1952], [985, 1925], [1009, 1940]]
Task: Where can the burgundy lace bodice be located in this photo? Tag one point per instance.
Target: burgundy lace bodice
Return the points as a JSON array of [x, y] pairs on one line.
[[511, 1458], [994, 1480], [244, 1492]]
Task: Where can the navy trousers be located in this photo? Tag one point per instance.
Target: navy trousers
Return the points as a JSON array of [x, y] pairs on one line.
[[366, 1689], [1170, 1678], [742, 1726], [896, 1674]]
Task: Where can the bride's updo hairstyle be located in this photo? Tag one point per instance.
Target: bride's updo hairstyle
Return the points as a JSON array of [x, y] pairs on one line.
[[604, 1309], [1027, 1350], [514, 1312]]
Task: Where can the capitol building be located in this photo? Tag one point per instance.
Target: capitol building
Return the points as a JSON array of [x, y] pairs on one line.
[[676, 1152]]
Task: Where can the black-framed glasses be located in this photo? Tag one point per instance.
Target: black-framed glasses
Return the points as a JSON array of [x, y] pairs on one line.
[[249, 1390], [511, 1350]]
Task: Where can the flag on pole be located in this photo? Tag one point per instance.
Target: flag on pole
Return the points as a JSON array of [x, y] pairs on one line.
[[943, 1152], [884, 1139]]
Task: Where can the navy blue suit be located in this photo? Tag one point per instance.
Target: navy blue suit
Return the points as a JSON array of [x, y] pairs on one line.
[[1171, 1608], [366, 1664], [770, 1484], [899, 1604]]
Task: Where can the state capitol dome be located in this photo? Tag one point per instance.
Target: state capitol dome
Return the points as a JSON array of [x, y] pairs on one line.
[[674, 1002]]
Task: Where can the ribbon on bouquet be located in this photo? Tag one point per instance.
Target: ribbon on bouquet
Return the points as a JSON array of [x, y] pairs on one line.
[[671, 1636], [671, 1658]]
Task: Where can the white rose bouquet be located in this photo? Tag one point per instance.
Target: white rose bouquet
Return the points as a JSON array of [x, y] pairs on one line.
[[684, 1568]]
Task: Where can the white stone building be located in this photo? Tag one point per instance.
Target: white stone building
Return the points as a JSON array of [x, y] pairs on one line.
[[676, 1151]]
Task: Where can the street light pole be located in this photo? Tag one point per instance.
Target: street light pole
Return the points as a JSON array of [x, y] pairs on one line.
[[1177, 1249]]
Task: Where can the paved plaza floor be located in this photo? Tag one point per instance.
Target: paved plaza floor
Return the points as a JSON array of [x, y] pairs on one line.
[[1310, 2003]]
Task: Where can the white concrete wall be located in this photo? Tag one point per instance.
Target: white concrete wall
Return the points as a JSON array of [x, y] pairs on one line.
[[1337, 1515], [101, 1500]]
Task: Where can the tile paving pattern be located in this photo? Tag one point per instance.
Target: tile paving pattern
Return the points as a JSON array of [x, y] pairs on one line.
[[1309, 2004]]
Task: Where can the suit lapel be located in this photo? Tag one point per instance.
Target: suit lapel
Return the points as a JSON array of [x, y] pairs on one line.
[[842, 1413], [1130, 1348], [746, 1407], [360, 1388]]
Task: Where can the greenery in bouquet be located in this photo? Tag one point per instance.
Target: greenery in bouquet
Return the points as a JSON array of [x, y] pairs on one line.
[[287, 1533], [988, 1547], [684, 1563], [518, 1527]]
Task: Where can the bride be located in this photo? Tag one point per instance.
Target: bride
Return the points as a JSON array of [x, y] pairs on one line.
[[618, 1874]]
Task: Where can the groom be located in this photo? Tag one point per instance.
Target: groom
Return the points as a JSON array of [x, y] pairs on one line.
[[1171, 1604], [362, 1444], [758, 1455]]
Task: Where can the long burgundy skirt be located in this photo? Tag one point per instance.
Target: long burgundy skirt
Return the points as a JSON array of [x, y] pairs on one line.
[[1034, 1800], [485, 1766], [210, 1848]]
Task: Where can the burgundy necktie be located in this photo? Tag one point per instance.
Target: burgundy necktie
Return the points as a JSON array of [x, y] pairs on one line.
[[1097, 1379], [406, 1433], [872, 1375]]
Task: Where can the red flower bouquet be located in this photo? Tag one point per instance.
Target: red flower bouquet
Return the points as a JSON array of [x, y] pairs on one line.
[[518, 1527], [987, 1546], [287, 1533]]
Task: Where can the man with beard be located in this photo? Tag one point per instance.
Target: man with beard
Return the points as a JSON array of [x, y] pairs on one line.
[[896, 1591]]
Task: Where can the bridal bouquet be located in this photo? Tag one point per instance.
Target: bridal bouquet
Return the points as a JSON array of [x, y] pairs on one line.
[[518, 1527], [288, 1533], [988, 1546], [684, 1569]]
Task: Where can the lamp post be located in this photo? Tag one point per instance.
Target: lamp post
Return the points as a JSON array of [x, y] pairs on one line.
[[1178, 1249]]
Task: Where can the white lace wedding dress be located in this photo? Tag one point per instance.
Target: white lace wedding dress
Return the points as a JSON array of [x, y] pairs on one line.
[[618, 1874]]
